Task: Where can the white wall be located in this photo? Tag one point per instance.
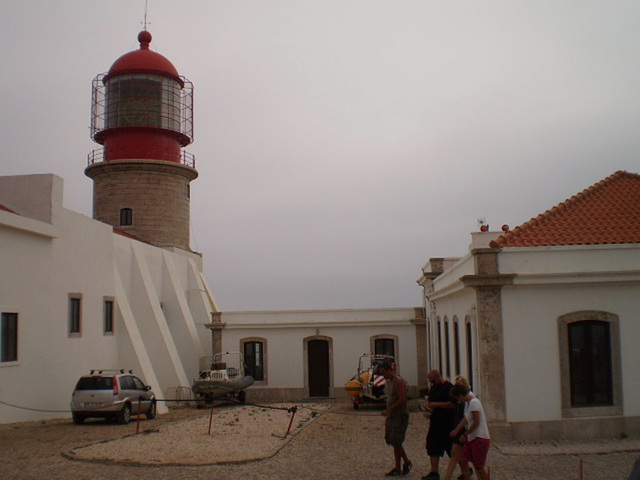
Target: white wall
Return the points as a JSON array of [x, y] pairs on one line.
[[350, 331], [37, 273], [552, 282], [41, 263]]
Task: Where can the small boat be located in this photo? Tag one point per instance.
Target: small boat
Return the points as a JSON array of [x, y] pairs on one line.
[[367, 386], [222, 380]]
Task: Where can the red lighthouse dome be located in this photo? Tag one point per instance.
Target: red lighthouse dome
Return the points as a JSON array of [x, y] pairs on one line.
[[143, 61], [142, 108]]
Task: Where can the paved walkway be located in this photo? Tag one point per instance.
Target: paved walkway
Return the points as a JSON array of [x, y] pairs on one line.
[[340, 444]]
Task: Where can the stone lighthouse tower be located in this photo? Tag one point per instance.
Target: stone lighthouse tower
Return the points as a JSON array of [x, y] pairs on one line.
[[142, 115]]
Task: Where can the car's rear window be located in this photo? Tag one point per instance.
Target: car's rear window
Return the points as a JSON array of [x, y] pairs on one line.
[[95, 383]]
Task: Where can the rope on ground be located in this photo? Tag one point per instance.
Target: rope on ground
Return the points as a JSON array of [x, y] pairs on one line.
[[34, 409], [21, 407], [292, 409], [271, 407]]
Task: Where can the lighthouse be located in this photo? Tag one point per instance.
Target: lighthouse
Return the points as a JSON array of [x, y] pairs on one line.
[[142, 116]]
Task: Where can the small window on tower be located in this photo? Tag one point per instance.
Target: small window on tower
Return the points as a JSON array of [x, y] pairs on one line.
[[126, 216]]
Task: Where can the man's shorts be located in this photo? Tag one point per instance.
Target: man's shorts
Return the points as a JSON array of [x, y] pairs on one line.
[[438, 441], [476, 451], [395, 428]]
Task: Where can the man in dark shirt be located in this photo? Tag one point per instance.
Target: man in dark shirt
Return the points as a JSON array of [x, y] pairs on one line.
[[441, 422]]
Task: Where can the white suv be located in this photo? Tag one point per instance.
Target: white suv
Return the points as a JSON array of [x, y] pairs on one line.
[[111, 394]]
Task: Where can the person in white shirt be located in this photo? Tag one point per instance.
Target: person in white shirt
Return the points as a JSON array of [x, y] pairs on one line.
[[456, 449], [476, 439]]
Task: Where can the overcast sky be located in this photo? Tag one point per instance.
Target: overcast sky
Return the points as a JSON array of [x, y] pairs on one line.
[[342, 143]]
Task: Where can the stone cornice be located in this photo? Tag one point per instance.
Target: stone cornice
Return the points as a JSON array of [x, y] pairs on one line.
[[575, 278], [141, 164], [333, 324], [493, 280], [215, 326]]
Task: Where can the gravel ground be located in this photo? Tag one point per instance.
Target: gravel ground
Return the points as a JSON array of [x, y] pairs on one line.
[[338, 443], [216, 438]]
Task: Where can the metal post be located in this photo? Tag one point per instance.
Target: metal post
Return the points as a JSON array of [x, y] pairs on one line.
[[293, 414]]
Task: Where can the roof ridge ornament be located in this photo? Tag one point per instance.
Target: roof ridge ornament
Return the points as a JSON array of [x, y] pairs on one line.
[[145, 23], [144, 37]]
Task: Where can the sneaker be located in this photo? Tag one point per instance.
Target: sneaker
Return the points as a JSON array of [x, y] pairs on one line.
[[393, 473], [406, 469], [432, 476]]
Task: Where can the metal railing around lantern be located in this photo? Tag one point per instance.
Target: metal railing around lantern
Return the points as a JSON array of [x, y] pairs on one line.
[[97, 156], [142, 100]]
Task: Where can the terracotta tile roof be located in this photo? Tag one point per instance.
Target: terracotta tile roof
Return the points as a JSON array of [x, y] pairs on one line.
[[2, 207], [124, 234], [607, 212]]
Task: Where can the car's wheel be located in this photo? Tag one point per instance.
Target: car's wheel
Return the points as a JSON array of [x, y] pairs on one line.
[[125, 415], [151, 413], [242, 396], [77, 418]]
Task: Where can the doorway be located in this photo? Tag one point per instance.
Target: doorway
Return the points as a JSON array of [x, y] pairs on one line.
[[318, 368]]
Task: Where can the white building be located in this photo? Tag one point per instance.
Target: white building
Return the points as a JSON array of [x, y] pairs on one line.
[[543, 319], [75, 295], [313, 353]]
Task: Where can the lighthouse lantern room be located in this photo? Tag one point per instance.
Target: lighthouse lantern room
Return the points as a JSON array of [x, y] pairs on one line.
[[142, 115]]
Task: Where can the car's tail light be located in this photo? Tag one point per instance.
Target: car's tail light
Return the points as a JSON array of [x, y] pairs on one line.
[[115, 386]]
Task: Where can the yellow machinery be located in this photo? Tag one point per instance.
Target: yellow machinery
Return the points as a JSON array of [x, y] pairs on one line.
[[367, 386]]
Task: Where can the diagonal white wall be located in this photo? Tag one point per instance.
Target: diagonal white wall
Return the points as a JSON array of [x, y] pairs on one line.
[[131, 346]]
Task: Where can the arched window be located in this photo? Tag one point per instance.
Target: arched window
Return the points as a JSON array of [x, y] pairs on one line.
[[469, 336], [439, 346], [456, 346], [447, 348], [429, 344], [590, 364], [255, 358], [384, 346]]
